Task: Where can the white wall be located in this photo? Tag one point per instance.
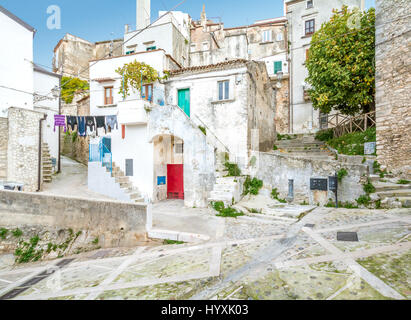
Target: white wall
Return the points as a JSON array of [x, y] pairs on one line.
[[305, 118], [229, 119], [43, 84], [16, 69], [135, 146], [270, 63], [106, 69]]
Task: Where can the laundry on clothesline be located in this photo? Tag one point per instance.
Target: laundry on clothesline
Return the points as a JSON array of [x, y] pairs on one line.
[[86, 125]]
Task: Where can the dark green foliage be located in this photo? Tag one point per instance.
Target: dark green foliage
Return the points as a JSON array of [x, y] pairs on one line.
[[341, 174], [369, 188], [364, 200], [17, 233], [284, 137], [353, 143], [275, 148], [225, 212], [233, 169], [275, 195], [173, 242], [204, 130], [70, 86], [252, 186], [325, 135], [402, 181], [27, 252], [3, 233], [340, 64], [346, 205]]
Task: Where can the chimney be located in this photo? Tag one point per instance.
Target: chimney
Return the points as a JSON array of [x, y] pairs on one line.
[[126, 28], [143, 13], [204, 19]]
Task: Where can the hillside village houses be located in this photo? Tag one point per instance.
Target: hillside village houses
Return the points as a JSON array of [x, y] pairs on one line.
[[29, 146], [232, 83]]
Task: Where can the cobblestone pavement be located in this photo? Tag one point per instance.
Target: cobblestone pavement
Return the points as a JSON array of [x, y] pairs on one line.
[[252, 257]]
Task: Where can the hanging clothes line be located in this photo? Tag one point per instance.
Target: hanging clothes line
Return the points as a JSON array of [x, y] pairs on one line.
[[86, 125]]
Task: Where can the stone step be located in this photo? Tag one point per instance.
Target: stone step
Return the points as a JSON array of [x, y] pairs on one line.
[[406, 201], [228, 180], [225, 187], [125, 185], [401, 193], [122, 179], [386, 186]]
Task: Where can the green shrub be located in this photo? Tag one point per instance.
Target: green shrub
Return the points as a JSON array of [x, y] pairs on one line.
[[225, 212], [325, 135], [74, 136], [403, 182], [364, 200], [275, 148], [369, 188], [173, 242], [17, 233], [275, 195], [353, 143], [341, 174], [3, 233], [204, 130], [233, 169], [252, 186]]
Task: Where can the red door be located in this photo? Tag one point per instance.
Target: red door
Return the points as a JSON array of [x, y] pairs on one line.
[[175, 181]]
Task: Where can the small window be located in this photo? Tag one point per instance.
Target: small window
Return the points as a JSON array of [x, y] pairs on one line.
[[280, 37], [179, 148], [130, 52], [267, 36], [278, 67], [309, 27], [205, 46], [147, 92], [108, 95], [310, 4], [193, 47], [151, 48], [224, 90]]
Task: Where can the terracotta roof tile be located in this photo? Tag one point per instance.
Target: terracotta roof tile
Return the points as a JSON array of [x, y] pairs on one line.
[[210, 66]]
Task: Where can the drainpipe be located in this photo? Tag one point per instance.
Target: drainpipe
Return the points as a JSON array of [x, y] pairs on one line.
[[40, 150], [59, 155]]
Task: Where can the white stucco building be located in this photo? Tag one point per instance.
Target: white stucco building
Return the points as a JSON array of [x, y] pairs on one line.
[[304, 18], [16, 68], [170, 33]]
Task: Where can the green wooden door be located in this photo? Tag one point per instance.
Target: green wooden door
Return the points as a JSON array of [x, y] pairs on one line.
[[184, 100]]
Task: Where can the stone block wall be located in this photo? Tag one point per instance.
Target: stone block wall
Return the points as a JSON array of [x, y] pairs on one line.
[[393, 85], [4, 135], [116, 223], [23, 147], [275, 170]]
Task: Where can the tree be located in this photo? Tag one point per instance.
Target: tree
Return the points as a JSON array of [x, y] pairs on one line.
[[135, 74], [341, 64], [70, 86]]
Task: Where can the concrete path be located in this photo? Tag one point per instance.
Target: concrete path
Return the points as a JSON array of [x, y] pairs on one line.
[[72, 182]]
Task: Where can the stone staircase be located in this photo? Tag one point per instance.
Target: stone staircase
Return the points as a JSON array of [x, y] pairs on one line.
[[125, 184], [390, 192], [226, 189], [46, 163], [304, 145]]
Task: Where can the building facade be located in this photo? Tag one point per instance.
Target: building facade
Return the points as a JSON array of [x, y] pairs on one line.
[[304, 17], [393, 85]]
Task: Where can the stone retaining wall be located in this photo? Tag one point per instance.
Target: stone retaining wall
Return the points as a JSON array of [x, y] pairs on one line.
[[275, 170], [116, 223]]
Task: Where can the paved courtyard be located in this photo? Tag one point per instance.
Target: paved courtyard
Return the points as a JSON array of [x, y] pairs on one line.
[[252, 257]]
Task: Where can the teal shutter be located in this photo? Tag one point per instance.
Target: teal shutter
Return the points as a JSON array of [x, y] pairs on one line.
[[184, 100], [278, 66]]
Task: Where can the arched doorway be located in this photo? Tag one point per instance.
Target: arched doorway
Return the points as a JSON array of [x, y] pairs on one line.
[[168, 167]]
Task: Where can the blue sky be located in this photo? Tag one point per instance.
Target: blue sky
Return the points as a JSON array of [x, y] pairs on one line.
[[96, 20]]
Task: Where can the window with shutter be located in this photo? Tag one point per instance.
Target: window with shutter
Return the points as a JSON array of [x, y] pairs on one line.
[[278, 66]]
